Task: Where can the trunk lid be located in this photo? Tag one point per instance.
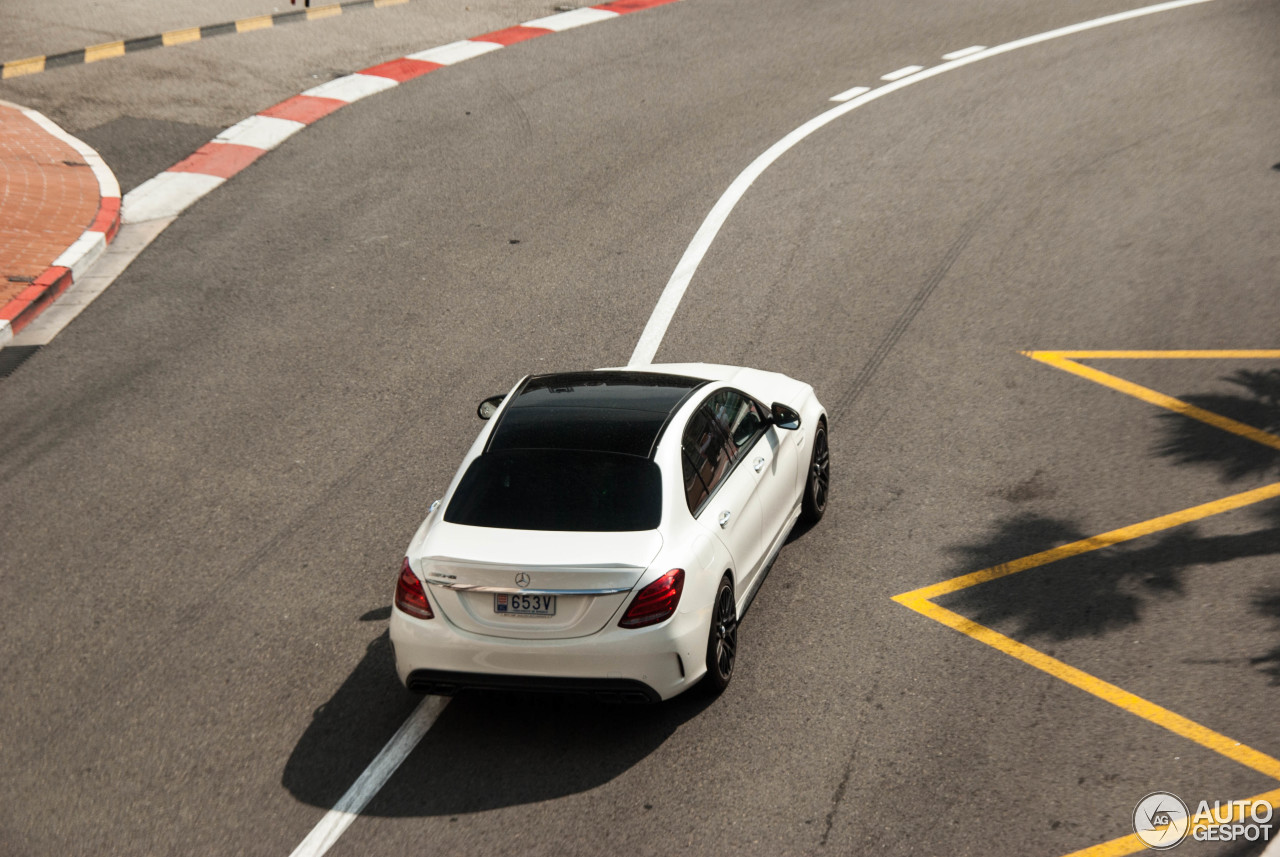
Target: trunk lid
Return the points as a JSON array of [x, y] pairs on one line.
[[470, 570]]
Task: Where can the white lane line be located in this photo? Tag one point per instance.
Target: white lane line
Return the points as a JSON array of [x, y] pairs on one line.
[[338, 819], [964, 52], [849, 94], [907, 71], [665, 309]]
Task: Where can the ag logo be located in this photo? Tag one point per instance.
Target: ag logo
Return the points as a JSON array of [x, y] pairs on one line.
[[1161, 820]]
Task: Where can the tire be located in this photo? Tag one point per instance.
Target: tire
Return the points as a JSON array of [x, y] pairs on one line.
[[722, 641], [817, 485]]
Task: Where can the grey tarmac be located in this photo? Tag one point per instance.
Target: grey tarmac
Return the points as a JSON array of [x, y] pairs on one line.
[[207, 480]]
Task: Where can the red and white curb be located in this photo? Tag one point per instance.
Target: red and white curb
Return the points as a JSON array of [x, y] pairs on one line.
[[149, 208], [76, 259], [173, 190]]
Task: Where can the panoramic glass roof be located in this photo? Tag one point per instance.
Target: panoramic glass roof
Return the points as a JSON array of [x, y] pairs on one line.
[[618, 411]]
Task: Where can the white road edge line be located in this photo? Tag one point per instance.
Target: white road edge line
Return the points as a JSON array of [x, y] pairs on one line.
[[673, 293], [338, 819]]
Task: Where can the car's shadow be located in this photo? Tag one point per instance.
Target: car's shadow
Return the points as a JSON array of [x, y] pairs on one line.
[[485, 751]]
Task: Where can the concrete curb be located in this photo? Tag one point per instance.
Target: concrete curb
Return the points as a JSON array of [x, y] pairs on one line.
[[73, 262]]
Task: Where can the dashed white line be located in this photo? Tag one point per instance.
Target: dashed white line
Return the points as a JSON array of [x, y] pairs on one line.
[[902, 72], [850, 94], [665, 309], [964, 52]]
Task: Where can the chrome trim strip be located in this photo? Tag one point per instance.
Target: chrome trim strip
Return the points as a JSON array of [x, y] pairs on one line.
[[595, 566], [515, 590]]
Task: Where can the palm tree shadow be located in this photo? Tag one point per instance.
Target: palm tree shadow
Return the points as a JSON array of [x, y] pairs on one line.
[[1100, 591], [1268, 604], [1107, 589], [1086, 595], [1190, 441], [485, 751]]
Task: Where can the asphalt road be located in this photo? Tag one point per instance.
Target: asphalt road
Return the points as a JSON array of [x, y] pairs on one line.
[[207, 480]]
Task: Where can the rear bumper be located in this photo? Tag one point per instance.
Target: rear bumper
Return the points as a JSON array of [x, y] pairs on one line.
[[447, 683], [436, 656]]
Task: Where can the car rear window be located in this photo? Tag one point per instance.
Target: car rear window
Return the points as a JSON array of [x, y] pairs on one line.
[[557, 489]]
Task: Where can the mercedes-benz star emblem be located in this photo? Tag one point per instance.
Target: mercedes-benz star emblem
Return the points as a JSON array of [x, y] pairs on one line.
[[522, 580]]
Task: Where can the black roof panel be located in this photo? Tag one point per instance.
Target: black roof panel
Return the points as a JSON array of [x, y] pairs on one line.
[[615, 411]]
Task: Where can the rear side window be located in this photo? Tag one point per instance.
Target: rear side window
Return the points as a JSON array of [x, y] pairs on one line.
[[707, 455], [557, 489]]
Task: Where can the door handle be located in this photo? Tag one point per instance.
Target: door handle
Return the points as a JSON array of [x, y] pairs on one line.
[[758, 464], [724, 518]]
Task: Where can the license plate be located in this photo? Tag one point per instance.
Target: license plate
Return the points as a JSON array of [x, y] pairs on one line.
[[525, 605]]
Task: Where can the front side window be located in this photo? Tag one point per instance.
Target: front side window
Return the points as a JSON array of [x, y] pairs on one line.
[[739, 417]]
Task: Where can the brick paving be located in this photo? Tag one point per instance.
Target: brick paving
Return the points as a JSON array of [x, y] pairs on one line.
[[48, 198]]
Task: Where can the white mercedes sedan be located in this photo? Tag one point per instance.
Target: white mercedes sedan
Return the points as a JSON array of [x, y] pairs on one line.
[[607, 530]]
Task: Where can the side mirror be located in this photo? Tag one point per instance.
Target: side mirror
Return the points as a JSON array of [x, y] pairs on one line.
[[784, 417], [489, 406]]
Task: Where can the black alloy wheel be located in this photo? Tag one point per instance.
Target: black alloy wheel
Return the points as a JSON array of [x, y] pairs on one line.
[[722, 645], [818, 485]]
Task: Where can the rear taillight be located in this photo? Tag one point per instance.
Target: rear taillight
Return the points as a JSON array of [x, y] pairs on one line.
[[409, 595], [655, 603]]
